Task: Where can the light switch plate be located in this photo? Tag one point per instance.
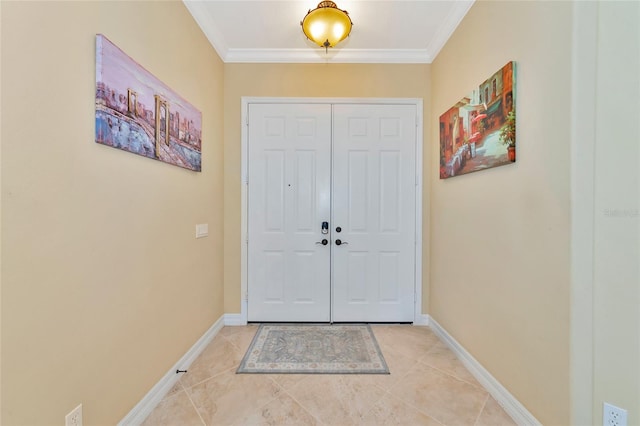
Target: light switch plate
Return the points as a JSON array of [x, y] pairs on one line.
[[202, 230]]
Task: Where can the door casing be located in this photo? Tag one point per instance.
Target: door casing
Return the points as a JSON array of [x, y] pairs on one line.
[[419, 318]]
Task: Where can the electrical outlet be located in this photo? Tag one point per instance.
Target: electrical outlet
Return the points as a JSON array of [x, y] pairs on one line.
[[74, 418], [614, 416]]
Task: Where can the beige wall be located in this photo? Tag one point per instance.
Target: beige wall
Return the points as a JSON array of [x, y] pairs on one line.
[[302, 80], [616, 309], [500, 266], [104, 286], [0, 222]]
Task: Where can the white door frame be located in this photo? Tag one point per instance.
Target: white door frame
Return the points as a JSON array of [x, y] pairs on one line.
[[244, 241]]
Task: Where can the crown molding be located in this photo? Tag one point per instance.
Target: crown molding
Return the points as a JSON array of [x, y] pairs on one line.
[[198, 10], [337, 55], [449, 25]]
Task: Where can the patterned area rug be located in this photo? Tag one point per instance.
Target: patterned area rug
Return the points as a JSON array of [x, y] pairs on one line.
[[314, 349]]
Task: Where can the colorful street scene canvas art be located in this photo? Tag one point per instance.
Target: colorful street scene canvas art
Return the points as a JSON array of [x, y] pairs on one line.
[[479, 131], [136, 112]]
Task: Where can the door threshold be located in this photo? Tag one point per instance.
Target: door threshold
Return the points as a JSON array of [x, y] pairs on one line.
[[330, 322]]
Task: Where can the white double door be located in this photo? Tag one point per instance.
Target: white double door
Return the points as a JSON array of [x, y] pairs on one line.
[[331, 212]]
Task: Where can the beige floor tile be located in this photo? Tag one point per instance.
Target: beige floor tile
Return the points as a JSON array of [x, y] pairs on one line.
[[281, 411], [443, 359], [336, 399], [406, 330], [240, 336], [174, 389], [174, 410], [441, 396], [229, 397], [494, 415], [288, 381], [398, 363], [412, 341], [228, 330], [220, 355], [392, 411]]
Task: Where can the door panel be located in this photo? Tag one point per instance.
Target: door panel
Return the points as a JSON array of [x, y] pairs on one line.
[[305, 179], [390, 177], [274, 190], [356, 283], [274, 262], [388, 273], [358, 192], [289, 154], [374, 203]]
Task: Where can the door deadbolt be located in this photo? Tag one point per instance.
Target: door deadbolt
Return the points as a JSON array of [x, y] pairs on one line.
[[325, 227]]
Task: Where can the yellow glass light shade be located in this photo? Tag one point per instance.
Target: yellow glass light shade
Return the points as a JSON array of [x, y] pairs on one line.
[[326, 25]]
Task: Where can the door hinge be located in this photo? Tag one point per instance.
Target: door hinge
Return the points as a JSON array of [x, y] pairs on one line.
[[417, 180]]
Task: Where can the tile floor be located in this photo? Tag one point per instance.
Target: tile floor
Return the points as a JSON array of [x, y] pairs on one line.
[[427, 386]]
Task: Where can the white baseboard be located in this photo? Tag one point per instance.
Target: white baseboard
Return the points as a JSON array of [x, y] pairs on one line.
[[234, 319], [421, 319], [143, 408], [511, 405]]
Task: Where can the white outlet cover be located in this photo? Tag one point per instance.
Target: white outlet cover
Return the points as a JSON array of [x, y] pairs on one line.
[[74, 418], [613, 416]]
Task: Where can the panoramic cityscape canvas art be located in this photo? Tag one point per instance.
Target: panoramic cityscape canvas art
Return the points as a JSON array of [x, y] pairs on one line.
[[479, 131], [136, 112]]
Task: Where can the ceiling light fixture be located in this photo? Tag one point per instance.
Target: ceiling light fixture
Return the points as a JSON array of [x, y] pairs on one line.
[[326, 25]]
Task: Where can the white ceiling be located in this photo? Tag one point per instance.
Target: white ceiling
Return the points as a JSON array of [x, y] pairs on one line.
[[384, 31]]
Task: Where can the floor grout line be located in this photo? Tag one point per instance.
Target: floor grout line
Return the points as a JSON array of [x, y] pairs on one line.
[[420, 410], [482, 409], [243, 352], [195, 407], [400, 379], [271, 400], [452, 375], [298, 402], [208, 378]]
